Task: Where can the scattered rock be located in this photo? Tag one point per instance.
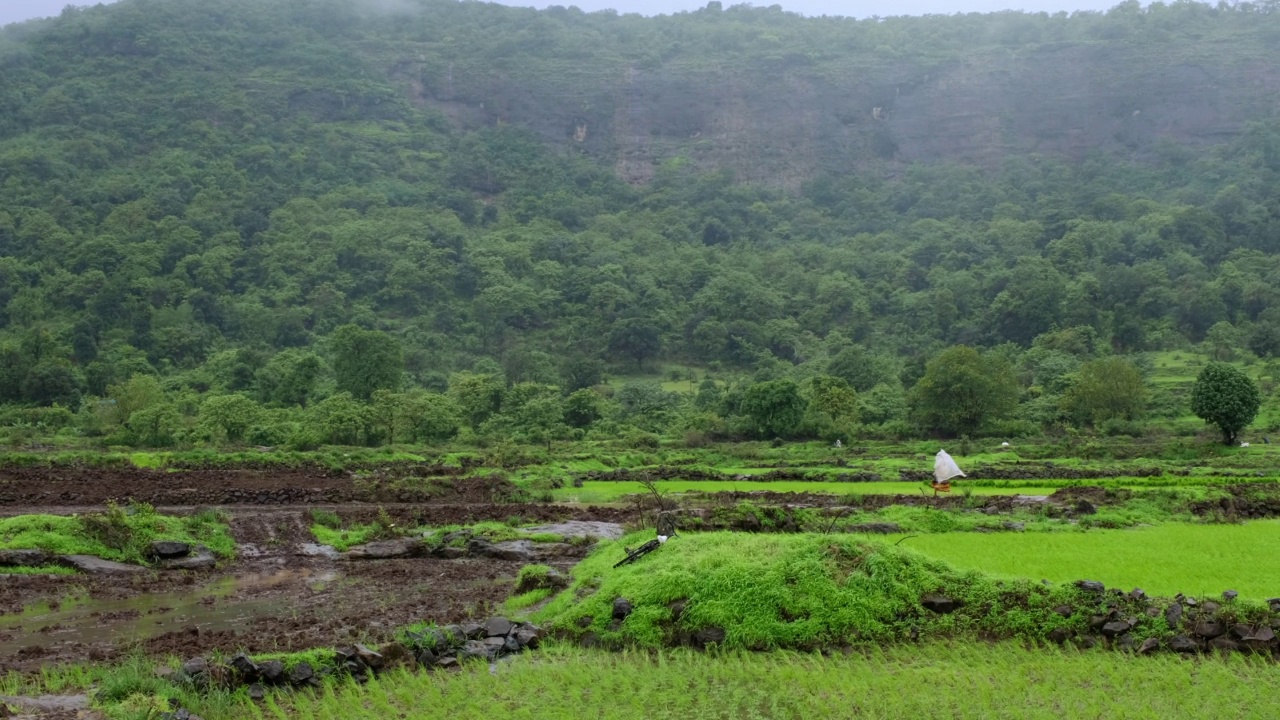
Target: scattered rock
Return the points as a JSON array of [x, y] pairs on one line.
[[1210, 628], [372, 660], [97, 566], [940, 604], [271, 671], [195, 666], [1137, 594], [24, 558], [1065, 611], [1059, 635], [257, 692], [1092, 586], [1183, 644], [473, 649], [1014, 526], [1210, 606], [1115, 628], [472, 631], [498, 627], [621, 608], [527, 638], [168, 549], [1173, 616], [386, 550], [202, 559], [1225, 644], [1148, 646], [301, 673], [1230, 595], [244, 665]]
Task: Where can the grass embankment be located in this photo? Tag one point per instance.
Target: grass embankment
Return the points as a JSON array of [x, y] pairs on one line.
[[958, 680], [1164, 559], [122, 534], [328, 529], [793, 591], [594, 493]]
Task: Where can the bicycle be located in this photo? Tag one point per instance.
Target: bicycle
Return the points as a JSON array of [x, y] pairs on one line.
[[645, 549]]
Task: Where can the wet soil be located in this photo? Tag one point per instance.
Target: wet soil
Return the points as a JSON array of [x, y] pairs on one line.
[[278, 595], [77, 485]]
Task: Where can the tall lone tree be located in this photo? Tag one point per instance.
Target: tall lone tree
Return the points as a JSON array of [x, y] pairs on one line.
[[1225, 397], [963, 390], [365, 361]]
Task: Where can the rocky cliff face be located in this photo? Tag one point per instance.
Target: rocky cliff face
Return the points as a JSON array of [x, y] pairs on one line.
[[782, 121]]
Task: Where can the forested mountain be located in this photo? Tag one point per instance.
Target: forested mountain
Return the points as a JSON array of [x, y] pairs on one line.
[[279, 202]]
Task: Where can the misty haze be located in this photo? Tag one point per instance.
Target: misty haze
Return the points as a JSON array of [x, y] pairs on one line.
[[431, 359]]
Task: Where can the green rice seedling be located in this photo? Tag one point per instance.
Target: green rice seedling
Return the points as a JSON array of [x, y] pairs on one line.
[[1164, 559], [951, 680]]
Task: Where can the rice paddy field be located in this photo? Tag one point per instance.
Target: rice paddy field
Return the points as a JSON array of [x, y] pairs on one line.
[[956, 680], [1165, 559]]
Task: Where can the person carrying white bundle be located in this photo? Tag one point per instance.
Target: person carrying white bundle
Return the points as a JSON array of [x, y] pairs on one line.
[[944, 468]]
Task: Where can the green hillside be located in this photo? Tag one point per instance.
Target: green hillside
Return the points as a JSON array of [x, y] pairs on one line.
[[503, 206]]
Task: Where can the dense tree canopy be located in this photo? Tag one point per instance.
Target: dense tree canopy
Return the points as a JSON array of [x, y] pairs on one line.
[[232, 220]]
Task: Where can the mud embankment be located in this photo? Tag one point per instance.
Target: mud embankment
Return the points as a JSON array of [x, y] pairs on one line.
[[79, 486]]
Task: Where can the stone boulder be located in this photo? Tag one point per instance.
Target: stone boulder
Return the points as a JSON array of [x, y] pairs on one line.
[[201, 559], [498, 627], [1209, 628], [1115, 628], [1184, 644], [621, 608], [168, 550], [386, 550], [97, 566], [24, 558]]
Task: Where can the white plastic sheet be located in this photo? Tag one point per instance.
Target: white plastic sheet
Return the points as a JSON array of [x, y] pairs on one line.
[[944, 468]]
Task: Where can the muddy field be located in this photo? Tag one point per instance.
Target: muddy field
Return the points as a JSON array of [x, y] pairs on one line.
[[280, 594]]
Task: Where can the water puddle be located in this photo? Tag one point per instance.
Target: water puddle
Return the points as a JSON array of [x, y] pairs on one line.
[[208, 608]]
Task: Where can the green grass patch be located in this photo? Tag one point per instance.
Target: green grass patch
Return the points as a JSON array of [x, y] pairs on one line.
[[1164, 559], [343, 539], [517, 603], [953, 680], [42, 570], [121, 534]]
